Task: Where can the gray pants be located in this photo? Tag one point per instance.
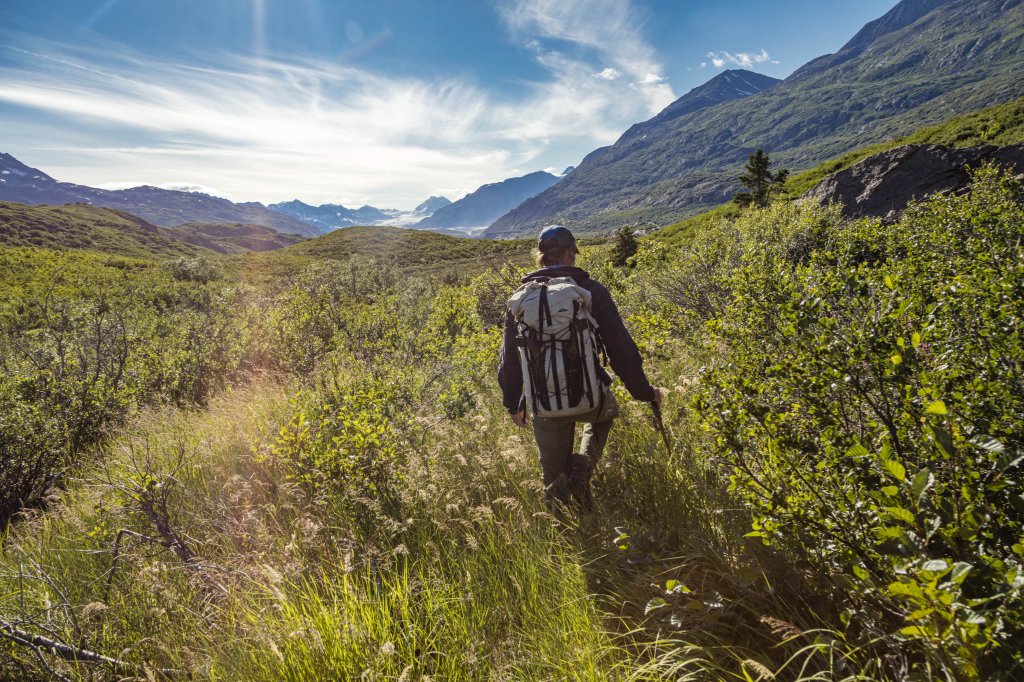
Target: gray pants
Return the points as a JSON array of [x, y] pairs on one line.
[[556, 435]]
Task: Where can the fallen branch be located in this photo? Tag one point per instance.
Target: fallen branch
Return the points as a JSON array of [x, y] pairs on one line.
[[40, 644]]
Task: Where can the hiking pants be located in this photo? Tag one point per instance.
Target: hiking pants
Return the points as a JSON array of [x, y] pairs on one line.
[[556, 435]]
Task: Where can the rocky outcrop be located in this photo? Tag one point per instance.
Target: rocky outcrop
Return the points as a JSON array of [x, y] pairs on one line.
[[885, 183]]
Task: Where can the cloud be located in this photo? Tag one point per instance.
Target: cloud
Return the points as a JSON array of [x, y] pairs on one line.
[[573, 37], [270, 129], [609, 74], [650, 79], [745, 60]]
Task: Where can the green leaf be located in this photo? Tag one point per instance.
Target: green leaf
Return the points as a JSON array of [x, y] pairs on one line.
[[915, 339], [935, 565], [856, 451], [654, 605], [894, 469], [959, 572], [922, 482], [896, 358], [890, 490], [901, 514], [936, 407]]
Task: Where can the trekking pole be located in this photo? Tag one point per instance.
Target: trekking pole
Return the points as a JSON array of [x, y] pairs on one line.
[[659, 424]]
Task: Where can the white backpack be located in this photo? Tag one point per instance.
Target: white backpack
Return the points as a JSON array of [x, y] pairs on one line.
[[558, 347]]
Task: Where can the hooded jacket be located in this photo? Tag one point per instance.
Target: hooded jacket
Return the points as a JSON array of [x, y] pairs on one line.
[[623, 354]]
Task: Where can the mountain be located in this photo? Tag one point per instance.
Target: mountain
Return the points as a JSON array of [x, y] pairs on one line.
[[81, 226], [923, 62], [431, 205], [568, 169], [233, 237], [27, 185], [489, 202], [329, 217]]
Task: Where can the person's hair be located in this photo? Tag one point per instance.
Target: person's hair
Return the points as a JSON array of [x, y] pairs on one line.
[[552, 256]]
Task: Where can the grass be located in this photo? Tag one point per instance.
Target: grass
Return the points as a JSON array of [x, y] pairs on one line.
[[476, 583]]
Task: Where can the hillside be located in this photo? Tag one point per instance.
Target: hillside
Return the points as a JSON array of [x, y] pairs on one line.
[[233, 237], [24, 184], [1000, 125], [80, 226], [489, 202], [409, 250], [923, 62]]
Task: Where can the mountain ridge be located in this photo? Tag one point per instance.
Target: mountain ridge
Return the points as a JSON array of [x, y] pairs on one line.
[[488, 202], [927, 62], [24, 184]]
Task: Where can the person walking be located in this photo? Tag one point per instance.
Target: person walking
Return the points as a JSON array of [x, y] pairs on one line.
[[557, 324]]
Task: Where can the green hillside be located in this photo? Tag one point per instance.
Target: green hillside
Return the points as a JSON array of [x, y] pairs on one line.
[[410, 251], [233, 237], [81, 226], [998, 125]]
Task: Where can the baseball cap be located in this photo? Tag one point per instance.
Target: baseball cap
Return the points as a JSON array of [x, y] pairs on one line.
[[556, 237]]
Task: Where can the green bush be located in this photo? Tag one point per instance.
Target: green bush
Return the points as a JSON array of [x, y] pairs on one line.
[[870, 406]]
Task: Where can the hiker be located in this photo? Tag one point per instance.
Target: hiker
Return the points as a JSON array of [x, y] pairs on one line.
[[558, 323]]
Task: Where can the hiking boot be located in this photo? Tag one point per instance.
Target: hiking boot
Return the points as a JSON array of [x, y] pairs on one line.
[[581, 469]]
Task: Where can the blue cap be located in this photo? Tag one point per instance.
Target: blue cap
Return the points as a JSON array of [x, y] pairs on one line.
[[554, 237]]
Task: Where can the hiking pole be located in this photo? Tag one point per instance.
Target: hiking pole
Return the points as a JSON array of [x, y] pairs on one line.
[[659, 424]]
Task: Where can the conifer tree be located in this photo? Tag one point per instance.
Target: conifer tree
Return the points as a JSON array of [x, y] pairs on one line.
[[760, 182], [625, 246]]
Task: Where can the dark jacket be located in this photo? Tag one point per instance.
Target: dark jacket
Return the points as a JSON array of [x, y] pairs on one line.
[[622, 351]]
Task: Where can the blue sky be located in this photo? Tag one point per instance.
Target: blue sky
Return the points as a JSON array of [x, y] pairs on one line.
[[370, 101]]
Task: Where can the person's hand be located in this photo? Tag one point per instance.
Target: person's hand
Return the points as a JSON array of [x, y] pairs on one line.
[[659, 395], [519, 418]]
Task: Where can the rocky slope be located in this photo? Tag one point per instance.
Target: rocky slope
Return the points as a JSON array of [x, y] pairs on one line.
[[925, 61], [882, 185], [26, 185], [431, 206], [489, 202]]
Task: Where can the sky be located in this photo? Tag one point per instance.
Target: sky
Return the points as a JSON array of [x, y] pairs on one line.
[[381, 102]]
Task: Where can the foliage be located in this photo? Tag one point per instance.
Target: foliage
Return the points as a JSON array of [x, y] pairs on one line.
[[870, 408], [304, 470]]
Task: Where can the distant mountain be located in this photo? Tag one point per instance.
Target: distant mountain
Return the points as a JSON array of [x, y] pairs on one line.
[[233, 237], [924, 62], [329, 217], [27, 185], [568, 169], [489, 202], [81, 226], [431, 205]]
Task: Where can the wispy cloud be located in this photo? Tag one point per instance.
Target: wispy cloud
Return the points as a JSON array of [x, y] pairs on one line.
[[605, 31], [745, 60], [272, 129]]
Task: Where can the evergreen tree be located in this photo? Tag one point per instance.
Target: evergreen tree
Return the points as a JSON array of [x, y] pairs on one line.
[[760, 182], [625, 246]]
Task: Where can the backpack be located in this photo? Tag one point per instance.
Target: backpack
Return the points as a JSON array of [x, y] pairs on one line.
[[558, 346]]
